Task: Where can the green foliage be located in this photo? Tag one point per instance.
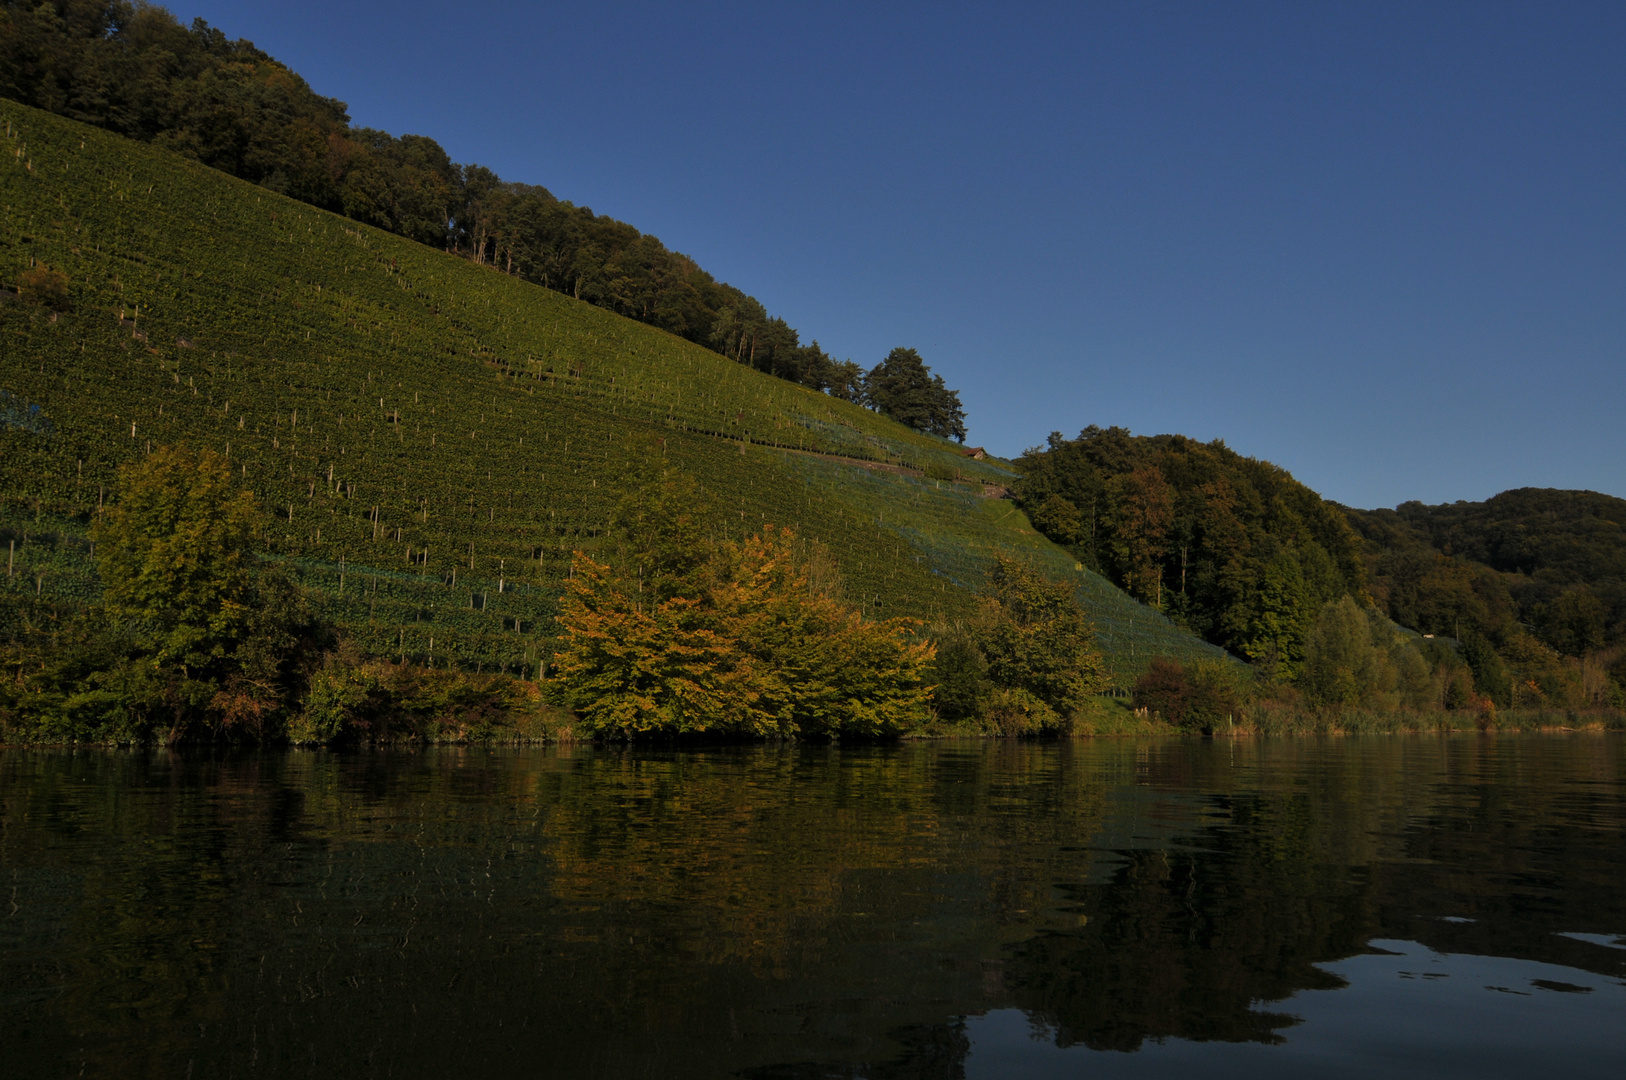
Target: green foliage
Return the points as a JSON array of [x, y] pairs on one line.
[[175, 554], [1554, 561], [85, 682], [1027, 664], [353, 699], [1491, 676], [187, 633], [341, 695], [1356, 657], [1233, 548], [903, 387], [1059, 520], [960, 675], [1199, 696], [1037, 639]]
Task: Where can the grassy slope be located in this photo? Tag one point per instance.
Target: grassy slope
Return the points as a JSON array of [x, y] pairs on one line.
[[445, 433]]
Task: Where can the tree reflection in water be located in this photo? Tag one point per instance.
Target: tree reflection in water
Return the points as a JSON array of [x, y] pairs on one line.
[[799, 911]]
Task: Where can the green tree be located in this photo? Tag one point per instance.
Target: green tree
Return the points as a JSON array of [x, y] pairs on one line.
[[1574, 621], [1491, 675], [1038, 642], [1059, 520], [903, 387], [1143, 505], [1342, 664], [1231, 547], [1355, 656], [175, 555], [960, 674], [190, 630]]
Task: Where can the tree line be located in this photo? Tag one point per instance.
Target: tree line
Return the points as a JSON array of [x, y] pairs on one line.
[[1231, 547], [1531, 582], [671, 630], [132, 68], [1518, 602]]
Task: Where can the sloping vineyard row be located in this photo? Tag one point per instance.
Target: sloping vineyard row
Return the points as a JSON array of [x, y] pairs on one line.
[[435, 436]]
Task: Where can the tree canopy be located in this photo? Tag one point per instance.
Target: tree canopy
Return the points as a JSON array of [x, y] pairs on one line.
[[1232, 547], [680, 634], [1531, 559], [904, 388], [191, 634], [175, 553], [1028, 663]]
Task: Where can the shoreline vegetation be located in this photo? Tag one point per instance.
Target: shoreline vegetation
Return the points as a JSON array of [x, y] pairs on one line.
[[534, 723], [670, 635]]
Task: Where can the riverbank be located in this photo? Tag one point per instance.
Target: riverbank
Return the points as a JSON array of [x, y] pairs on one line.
[[393, 708]]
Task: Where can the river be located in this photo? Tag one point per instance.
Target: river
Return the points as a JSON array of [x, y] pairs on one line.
[[1410, 906]]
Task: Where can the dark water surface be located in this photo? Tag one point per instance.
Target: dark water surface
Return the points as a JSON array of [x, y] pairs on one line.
[[1353, 907]]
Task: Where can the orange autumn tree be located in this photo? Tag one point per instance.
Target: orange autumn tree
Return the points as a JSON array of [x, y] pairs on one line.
[[681, 634]]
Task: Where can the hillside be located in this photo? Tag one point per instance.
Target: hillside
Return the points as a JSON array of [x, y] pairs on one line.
[[134, 69], [1233, 547], [431, 438], [1553, 561]]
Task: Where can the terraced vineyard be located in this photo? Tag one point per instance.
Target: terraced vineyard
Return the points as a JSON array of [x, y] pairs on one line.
[[431, 438]]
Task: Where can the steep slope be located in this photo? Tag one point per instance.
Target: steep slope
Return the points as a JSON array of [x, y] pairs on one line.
[[431, 438]]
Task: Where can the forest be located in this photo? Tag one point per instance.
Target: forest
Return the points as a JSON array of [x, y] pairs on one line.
[[132, 68], [1526, 591]]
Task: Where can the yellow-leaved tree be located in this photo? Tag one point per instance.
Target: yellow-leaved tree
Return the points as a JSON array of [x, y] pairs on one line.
[[681, 634]]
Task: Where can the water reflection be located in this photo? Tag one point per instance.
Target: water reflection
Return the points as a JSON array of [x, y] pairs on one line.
[[917, 911], [1401, 1010]]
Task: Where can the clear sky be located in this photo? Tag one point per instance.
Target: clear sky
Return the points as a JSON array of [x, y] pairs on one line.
[[1382, 245]]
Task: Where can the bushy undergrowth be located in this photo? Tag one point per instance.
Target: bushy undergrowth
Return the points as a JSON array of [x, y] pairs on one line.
[[1277, 718]]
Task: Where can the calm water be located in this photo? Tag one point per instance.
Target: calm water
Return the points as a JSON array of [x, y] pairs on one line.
[[1410, 906]]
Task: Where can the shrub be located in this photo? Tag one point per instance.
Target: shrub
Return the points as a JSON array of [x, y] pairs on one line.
[[340, 695], [1199, 696], [959, 675], [1036, 638], [1014, 711]]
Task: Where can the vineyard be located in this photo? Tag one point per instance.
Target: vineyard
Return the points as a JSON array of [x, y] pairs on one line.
[[430, 439]]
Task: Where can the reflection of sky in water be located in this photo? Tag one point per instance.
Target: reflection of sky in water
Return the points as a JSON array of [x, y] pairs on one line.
[[1415, 1013], [1608, 941]]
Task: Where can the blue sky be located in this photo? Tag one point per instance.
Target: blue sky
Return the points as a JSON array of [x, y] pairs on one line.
[[1382, 245]]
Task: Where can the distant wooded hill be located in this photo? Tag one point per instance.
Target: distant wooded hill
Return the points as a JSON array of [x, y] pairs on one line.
[[1246, 556], [1538, 560], [1230, 546]]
